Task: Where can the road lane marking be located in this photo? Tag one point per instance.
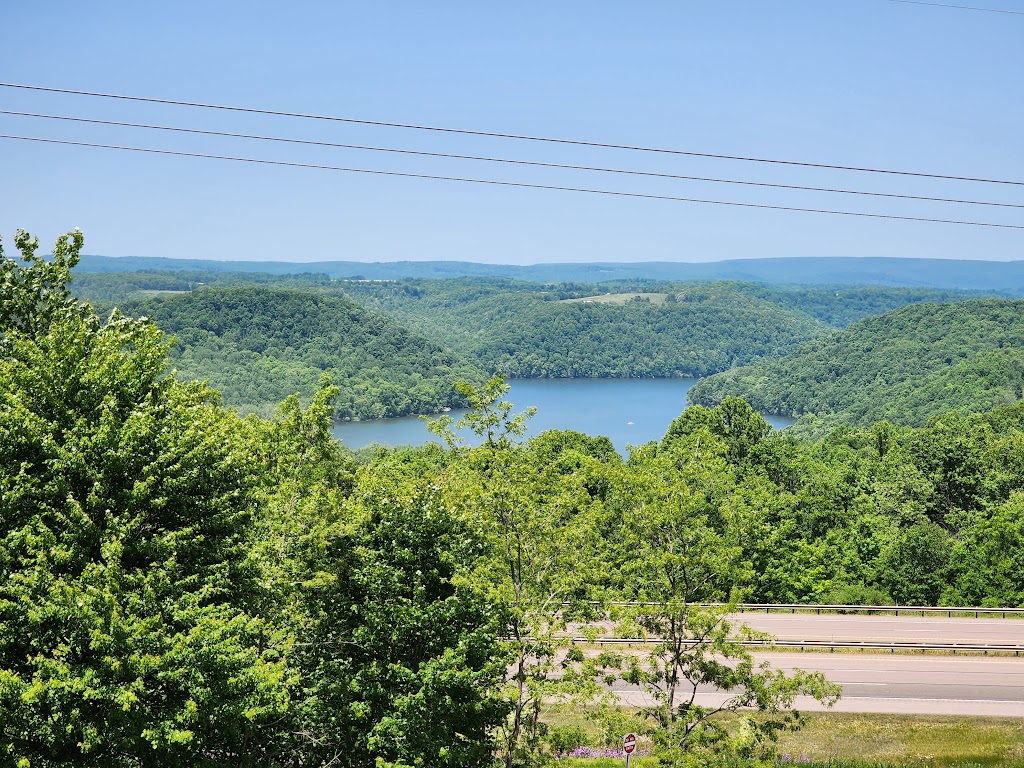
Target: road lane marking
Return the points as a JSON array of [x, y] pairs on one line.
[[927, 698]]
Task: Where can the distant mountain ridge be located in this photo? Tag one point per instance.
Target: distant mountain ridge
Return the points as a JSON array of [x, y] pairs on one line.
[[1003, 276]]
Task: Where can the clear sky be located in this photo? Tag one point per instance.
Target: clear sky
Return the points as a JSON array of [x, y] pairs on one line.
[[852, 82]]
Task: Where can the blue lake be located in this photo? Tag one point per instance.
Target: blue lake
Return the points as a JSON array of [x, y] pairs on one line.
[[629, 411]]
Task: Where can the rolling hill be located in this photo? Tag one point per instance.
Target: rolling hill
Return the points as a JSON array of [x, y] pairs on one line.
[[904, 366], [258, 345]]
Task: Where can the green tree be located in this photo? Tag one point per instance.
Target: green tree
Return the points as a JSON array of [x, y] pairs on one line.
[[681, 548], [399, 657], [539, 528], [988, 562], [124, 499], [739, 425], [34, 292]]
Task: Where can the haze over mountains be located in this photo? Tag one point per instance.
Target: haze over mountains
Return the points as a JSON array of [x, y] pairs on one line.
[[966, 274]]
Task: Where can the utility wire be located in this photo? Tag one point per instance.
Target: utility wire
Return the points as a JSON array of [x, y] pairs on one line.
[[521, 185], [509, 161], [958, 7], [521, 137]]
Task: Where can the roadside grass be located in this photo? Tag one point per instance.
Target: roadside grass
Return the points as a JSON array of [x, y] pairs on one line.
[[938, 740], [845, 740]]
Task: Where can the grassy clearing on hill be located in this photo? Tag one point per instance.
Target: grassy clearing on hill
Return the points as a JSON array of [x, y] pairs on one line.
[[618, 298]]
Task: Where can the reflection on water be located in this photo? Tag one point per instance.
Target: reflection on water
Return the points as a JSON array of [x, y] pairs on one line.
[[629, 411]]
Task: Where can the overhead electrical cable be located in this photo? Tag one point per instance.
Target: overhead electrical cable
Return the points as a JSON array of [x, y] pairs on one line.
[[493, 134], [509, 161], [522, 185], [958, 7]]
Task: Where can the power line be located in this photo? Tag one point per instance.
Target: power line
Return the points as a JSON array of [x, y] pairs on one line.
[[509, 161], [518, 184], [491, 134], [958, 7]]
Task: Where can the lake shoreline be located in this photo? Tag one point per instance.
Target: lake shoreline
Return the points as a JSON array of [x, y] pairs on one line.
[[629, 411]]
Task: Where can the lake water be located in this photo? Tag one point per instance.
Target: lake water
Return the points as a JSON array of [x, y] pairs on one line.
[[629, 411]]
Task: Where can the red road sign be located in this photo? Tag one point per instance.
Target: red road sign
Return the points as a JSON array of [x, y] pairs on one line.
[[629, 743]]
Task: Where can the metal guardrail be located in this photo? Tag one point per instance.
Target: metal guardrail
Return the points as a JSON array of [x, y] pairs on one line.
[[892, 647], [897, 609], [922, 610]]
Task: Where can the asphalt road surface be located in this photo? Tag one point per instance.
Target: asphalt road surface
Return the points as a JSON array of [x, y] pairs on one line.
[[896, 683], [914, 629], [961, 685]]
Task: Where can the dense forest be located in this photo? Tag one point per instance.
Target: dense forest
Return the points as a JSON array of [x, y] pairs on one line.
[[257, 345], [568, 331], [836, 305], [106, 289], [625, 329], [842, 305], [186, 587], [904, 366]]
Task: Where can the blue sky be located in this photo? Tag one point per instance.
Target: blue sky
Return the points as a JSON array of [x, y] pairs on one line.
[[852, 82]]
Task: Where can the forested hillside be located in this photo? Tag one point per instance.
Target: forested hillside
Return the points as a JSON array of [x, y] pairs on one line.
[[258, 345], [106, 288], [836, 305], [841, 305], [904, 366], [261, 348], [527, 331]]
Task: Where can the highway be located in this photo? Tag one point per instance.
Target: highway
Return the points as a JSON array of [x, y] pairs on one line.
[[921, 629], [896, 684], [860, 628], [893, 683]]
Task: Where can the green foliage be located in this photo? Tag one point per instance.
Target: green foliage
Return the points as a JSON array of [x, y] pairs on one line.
[[538, 520], [842, 305], [739, 425], [905, 366], [752, 706], [567, 738], [527, 331], [682, 513], [989, 560], [34, 293], [400, 649], [489, 417], [392, 649], [115, 288], [124, 499]]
